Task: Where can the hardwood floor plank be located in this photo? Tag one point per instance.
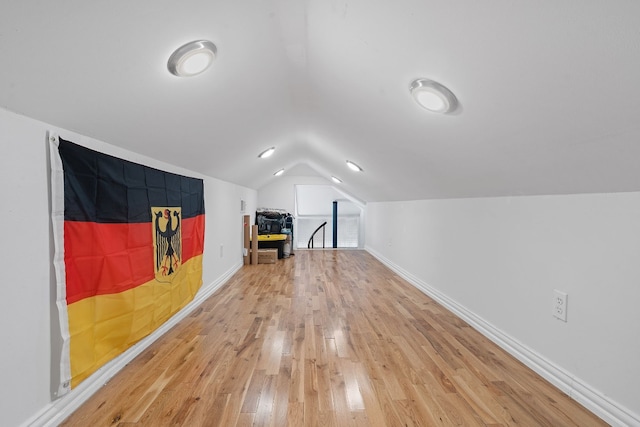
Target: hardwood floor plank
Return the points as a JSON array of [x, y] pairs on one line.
[[295, 414], [281, 401], [252, 397], [338, 388], [326, 338], [311, 404], [246, 420], [217, 413], [265, 408], [351, 386]]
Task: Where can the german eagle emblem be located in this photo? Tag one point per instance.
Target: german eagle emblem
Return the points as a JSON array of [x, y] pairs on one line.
[[167, 242]]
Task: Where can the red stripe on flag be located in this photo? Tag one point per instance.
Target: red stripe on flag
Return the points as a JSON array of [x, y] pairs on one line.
[[192, 237], [107, 258]]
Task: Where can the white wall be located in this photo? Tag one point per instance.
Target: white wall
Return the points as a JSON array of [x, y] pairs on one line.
[[318, 200], [280, 193], [500, 260], [28, 315]]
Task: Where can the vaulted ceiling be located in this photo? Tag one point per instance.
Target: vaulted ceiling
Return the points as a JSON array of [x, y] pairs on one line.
[[549, 91]]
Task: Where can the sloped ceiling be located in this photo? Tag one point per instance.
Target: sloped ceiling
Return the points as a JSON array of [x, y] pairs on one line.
[[549, 92]]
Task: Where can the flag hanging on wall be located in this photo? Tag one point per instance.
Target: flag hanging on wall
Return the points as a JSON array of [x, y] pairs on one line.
[[128, 252]]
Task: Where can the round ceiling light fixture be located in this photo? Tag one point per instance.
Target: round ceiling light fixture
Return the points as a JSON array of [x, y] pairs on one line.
[[192, 58], [433, 96], [278, 173], [336, 179]]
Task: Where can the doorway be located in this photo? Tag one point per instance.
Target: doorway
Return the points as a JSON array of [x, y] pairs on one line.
[[314, 206]]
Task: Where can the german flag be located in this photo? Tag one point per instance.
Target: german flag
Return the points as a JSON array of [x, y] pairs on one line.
[[132, 239]]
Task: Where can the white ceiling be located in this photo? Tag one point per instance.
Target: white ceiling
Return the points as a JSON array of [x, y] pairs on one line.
[[549, 91]]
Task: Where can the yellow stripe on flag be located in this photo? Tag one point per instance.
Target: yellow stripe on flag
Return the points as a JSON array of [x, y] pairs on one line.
[[104, 326]]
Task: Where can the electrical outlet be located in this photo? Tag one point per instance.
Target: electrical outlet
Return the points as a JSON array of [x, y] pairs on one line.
[[560, 300]]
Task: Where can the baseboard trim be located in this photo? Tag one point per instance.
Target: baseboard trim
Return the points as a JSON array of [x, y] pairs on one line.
[[581, 392], [58, 410]]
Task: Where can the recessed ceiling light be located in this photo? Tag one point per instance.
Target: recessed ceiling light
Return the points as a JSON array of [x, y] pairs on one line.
[[433, 96], [278, 173], [192, 58], [353, 166], [336, 180], [266, 153]]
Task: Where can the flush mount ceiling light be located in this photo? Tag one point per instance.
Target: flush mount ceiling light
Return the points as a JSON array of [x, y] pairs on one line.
[[433, 96], [278, 173], [353, 166], [192, 58], [266, 153], [336, 180]]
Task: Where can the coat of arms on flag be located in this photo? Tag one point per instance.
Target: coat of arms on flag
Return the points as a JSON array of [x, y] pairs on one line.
[[167, 242], [128, 241]]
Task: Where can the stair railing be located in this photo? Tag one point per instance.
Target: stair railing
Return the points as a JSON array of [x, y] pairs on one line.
[[310, 243]]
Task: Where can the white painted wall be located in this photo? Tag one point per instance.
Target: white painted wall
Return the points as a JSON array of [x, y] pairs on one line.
[[28, 315], [318, 200], [280, 193], [501, 259]]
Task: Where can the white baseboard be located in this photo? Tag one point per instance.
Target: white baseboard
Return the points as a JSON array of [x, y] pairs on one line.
[[58, 410], [593, 400]]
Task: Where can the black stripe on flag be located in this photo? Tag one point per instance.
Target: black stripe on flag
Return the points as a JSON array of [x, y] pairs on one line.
[[106, 189]]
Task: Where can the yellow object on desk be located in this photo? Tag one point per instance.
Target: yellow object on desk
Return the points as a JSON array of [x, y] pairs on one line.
[[269, 237]]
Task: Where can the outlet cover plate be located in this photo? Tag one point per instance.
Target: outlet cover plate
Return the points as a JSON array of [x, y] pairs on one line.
[[560, 300]]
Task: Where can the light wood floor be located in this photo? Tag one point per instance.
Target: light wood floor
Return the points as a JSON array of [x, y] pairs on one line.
[[326, 338]]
